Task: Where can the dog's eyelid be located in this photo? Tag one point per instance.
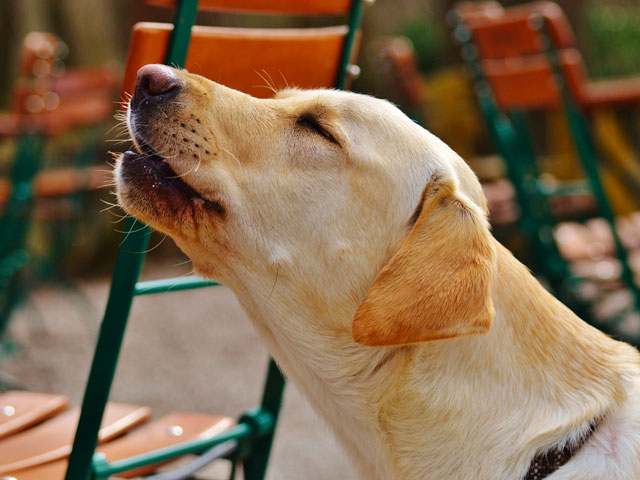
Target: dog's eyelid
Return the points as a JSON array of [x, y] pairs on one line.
[[312, 122]]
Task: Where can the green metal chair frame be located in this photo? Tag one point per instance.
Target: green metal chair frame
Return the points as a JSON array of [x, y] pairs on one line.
[[15, 222], [16, 217], [33, 131], [255, 429], [511, 135]]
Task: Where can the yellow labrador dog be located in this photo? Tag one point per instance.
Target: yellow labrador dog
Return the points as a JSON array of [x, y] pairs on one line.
[[359, 246]]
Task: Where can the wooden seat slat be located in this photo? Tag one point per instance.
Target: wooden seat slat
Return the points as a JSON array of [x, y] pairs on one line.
[[52, 439], [21, 409], [169, 430]]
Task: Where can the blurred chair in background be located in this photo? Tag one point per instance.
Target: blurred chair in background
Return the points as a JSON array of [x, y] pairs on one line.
[[522, 61], [47, 103]]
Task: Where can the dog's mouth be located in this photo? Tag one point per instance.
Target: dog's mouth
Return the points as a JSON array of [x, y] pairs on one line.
[[152, 175]]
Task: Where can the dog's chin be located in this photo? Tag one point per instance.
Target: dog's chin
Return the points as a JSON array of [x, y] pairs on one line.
[[150, 190]]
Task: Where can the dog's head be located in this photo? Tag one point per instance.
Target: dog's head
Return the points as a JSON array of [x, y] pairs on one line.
[[335, 197]]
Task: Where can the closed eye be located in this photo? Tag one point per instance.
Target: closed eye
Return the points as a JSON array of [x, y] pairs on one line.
[[310, 122]]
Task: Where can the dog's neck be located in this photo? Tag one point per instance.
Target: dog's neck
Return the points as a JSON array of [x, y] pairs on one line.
[[537, 359]]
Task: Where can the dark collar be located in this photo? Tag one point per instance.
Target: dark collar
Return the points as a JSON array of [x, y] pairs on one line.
[[548, 462]]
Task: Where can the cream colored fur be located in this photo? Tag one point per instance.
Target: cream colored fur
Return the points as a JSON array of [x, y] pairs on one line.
[[308, 227]]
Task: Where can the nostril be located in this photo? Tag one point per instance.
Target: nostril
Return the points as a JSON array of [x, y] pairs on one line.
[[154, 80]]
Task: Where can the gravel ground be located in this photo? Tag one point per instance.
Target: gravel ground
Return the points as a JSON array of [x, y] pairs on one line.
[[192, 350]]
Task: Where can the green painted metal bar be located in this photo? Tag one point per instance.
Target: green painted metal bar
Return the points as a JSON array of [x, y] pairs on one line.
[[255, 462], [104, 469], [105, 360], [509, 143], [16, 219], [126, 273], [355, 15], [565, 188], [587, 153], [178, 46], [17, 213], [172, 285]]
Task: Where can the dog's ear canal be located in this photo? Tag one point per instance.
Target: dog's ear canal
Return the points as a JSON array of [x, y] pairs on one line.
[[438, 284]]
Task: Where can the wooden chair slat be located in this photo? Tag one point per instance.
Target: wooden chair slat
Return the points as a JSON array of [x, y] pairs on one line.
[[528, 82], [612, 93], [514, 32], [52, 439], [290, 7], [245, 59], [169, 430], [86, 79], [471, 10], [21, 409]]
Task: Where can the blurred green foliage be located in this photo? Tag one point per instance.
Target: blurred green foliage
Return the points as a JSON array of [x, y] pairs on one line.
[[612, 40], [428, 40]]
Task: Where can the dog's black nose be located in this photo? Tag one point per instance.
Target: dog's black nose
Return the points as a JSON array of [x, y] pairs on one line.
[[155, 81]]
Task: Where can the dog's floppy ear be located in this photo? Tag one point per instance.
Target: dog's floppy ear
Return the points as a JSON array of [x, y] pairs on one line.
[[438, 284]]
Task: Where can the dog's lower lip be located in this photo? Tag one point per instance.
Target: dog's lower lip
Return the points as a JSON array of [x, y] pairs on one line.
[[167, 177]]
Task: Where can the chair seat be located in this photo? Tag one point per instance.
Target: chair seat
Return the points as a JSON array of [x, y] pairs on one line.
[[610, 93], [164, 432], [21, 409], [52, 439]]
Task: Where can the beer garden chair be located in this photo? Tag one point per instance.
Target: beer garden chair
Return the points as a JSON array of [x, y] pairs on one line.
[[523, 60], [311, 58]]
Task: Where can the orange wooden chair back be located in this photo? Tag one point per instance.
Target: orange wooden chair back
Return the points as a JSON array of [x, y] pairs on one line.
[[512, 52], [250, 59], [284, 7]]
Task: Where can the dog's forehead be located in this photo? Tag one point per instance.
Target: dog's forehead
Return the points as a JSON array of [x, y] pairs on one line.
[[346, 103], [385, 136]]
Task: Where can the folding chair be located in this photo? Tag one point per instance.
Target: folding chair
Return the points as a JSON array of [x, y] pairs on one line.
[[305, 57], [522, 60], [46, 103]]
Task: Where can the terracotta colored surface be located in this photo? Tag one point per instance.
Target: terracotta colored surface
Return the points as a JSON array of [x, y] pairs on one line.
[[512, 33], [612, 92], [21, 409], [303, 7], [399, 53], [52, 439], [528, 82], [517, 68], [8, 125], [245, 59], [63, 181], [157, 434]]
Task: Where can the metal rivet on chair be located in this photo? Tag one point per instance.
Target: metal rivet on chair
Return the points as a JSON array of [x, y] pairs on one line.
[[354, 71], [175, 430], [8, 411]]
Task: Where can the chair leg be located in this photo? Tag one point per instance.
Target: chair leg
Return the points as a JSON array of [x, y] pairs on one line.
[[105, 359], [255, 464]]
